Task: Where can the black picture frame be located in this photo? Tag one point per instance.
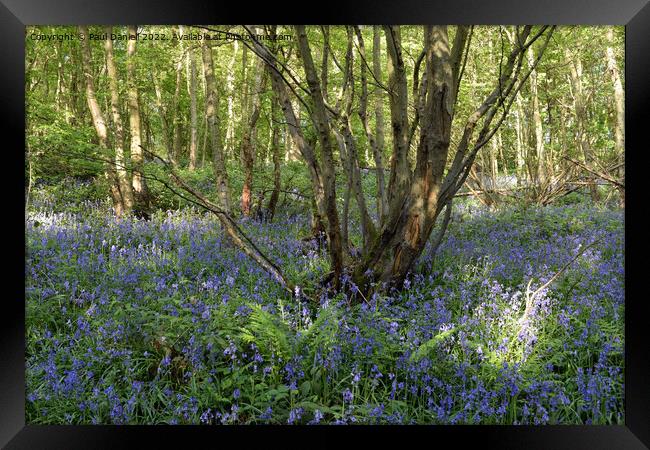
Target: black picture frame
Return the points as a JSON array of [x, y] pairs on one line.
[[634, 14]]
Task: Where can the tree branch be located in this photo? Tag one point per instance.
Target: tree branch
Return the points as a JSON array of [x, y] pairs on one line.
[[237, 236]]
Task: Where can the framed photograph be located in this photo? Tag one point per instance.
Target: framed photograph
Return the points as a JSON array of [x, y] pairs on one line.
[[406, 219]]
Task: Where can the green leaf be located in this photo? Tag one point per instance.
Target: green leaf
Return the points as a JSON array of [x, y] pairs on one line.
[[430, 345]]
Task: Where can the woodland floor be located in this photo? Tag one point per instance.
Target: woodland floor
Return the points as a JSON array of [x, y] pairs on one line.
[[162, 321]]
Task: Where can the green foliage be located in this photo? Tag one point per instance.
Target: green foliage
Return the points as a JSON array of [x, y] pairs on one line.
[[432, 344], [268, 332], [61, 149]]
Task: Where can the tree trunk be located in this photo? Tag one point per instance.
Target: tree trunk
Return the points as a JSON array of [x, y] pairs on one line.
[[204, 127], [619, 107], [550, 153], [408, 226], [176, 113], [378, 149], [193, 114], [537, 122], [582, 138], [230, 86], [218, 163], [321, 175], [166, 129], [138, 182], [297, 138], [247, 150], [275, 151], [99, 123], [325, 63], [366, 221], [345, 222], [120, 161], [62, 93], [398, 100], [404, 236], [292, 151], [354, 180], [176, 116], [321, 122], [520, 140], [494, 164], [204, 144], [347, 145]]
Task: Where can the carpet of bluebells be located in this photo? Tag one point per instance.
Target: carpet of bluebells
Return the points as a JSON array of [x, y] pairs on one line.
[[163, 321]]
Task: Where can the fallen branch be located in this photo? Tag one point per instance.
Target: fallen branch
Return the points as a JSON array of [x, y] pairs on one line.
[[598, 174], [236, 235], [285, 191], [530, 296]]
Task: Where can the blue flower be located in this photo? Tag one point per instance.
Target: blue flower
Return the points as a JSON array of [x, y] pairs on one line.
[[267, 414], [347, 396], [318, 416], [295, 415]]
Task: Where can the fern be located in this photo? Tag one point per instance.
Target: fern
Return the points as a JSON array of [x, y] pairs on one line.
[[322, 333], [268, 332]]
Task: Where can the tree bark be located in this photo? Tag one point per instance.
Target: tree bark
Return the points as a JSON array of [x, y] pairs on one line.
[[537, 123], [520, 140], [166, 129], [249, 133], [378, 149], [582, 137], [398, 100], [619, 107], [295, 130], [321, 122], [354, 180], [494, 163], [404, 234], [176, 113], [193, 114], [230, 86], [218, 163], [138, 182], [363, 115], [403, 238], [325, 63], [126, 190], [345, 222], [204, 127], [275, 151], [321, 175], [348, 149], [99, 123], [292, 151]]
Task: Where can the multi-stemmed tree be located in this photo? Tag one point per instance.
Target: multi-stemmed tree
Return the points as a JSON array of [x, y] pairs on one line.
[[419, 190]]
